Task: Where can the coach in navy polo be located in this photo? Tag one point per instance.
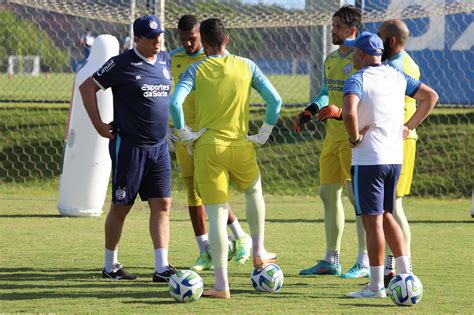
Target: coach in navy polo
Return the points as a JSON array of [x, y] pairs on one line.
[[141, 82]]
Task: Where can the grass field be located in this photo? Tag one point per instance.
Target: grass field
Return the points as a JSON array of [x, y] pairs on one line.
[[51, 264]]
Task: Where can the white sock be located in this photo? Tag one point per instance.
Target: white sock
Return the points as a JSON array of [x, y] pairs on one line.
[[222, 283], [333, 257], [110, 259], [202, 242], [257, 245], [376, 278], [237, 230], [161, 260], [389, 264], [363, 259], [403, 264]]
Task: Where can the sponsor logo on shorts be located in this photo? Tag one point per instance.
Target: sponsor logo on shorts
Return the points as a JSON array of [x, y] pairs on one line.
[[155, 90], [120, 194]]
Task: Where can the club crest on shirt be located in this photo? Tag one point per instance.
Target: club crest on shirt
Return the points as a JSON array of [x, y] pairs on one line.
[[166, 73], [347, 68]]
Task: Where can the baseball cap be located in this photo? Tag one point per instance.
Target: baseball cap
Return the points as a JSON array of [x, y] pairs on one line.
[[368, 42], [147, 26]]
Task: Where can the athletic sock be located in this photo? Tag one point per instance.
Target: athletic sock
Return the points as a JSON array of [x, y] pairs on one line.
[[110, 259], [161, 260], [389, 265], [403, 264], [222, 282], [363, 259], [202, 242], [376, 278], [257, 245], [333, 257], [237, 230]]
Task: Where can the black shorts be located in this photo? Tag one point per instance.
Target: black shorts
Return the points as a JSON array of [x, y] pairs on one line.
[[136, 169]]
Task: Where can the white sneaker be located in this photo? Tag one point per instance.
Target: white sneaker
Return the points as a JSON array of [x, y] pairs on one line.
[[368, 294]]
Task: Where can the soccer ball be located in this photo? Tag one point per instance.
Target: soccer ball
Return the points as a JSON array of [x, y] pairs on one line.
[[230, 246], [405, 289], [186, 286], [267, 279]]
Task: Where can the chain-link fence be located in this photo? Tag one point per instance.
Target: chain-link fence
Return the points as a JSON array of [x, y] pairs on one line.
[[43, 44]]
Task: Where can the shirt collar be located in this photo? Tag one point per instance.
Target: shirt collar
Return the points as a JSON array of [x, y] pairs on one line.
[[151, 62]]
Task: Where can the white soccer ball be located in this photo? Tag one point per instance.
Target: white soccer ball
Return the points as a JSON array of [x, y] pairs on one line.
[[230, 247], [186, 286], [405, 289], [267, 279]]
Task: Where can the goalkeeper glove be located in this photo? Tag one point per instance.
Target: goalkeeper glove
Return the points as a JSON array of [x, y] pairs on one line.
[[330, 111], [262, 136], [171, 139], [188, 137], [305, 116]]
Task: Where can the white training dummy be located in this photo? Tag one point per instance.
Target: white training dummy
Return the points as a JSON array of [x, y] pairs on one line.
[[86, 161]]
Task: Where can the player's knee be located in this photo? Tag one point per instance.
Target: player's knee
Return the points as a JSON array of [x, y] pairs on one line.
[[194, 199], [329, 193], [255, 188]]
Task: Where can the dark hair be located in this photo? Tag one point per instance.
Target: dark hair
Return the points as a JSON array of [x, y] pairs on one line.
[[187, 22], [350, 16], [213, 32]]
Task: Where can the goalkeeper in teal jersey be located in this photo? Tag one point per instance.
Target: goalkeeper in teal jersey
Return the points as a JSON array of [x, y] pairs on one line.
[[394, 34], [335, 158]]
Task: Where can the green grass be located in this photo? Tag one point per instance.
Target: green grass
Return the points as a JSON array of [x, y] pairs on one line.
[[27, 87], [32, 138], [51, 264]]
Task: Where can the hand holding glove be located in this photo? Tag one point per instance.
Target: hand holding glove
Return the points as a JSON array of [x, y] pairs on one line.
[[262, 136], [330, 111], [305, 116], [188, 137]]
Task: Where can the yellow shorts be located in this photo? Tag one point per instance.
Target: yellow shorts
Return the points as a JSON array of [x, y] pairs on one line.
[[335, 162], [406, 174], [185, 160], [216, 164]]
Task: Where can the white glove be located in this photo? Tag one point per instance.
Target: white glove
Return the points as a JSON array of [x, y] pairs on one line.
[[262, 136], [188, 137], [171, 139]]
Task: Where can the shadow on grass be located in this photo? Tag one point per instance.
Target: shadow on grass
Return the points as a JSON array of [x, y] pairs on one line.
[[19, 216]]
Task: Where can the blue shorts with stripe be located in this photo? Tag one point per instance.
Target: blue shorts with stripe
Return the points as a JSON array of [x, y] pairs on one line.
[[374, 188], [139, 170]]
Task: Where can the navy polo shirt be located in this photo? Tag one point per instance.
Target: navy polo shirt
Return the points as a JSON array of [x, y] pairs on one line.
[[140, 94]]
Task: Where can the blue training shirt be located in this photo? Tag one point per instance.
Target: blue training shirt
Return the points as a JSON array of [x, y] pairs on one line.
[[140, 91]]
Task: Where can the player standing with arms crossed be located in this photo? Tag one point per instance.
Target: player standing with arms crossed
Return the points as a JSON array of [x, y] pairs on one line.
[[373, 114], [395, 34], [335, 158], [190, 52], [222, 84], [141, 82]]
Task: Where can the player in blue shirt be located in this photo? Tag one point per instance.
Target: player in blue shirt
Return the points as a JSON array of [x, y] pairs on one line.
[[141, 82]]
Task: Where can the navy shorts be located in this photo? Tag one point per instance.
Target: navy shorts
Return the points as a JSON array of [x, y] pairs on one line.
[[374, 188], [136, 169]]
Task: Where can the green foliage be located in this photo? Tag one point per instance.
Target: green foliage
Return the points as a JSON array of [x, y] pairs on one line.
[[51, 264], [23, 37]]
